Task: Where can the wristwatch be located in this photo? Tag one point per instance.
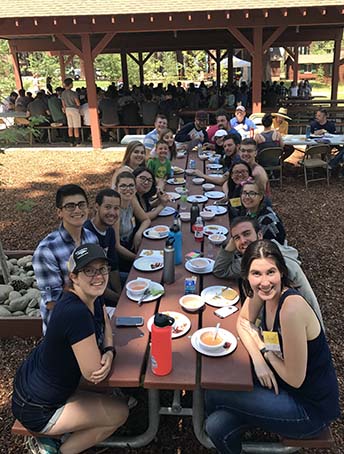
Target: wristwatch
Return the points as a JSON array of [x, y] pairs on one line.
[[109, 349], [263, 350]]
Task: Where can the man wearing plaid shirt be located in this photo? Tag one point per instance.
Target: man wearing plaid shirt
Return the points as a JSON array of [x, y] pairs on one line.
[[53, 252]]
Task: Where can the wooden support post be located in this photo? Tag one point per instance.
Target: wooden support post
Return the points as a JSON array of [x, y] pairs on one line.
[[141, 64], [62, 67], [335, 65], [16, 68], [230, 64], [125, 77], [257, 70], [218, 69], [91, 90], [296, 65], [3, 265]]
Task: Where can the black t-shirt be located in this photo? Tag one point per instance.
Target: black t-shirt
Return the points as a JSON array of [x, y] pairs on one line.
[[329, 126], [107, 241], [51, 374]]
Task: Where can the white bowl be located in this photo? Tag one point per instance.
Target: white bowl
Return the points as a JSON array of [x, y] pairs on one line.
[[212, 159], [198, 180], [181, 190], [208, 186], [191, 303], [206, 340], [207, 215], [137, 287], [199, 264], [217, 238], [180, 155], [160, 230], [203, 157], [189, 171], [185, 217]]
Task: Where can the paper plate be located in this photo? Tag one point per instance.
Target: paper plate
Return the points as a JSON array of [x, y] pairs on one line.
[[217, 209], [153, 232], [214, 166], [209, 269], [213, 296], [148, 264], [173, 196], [214, 194], [197, 198], [227, 335], [210, 229], [167, 211], [181, 325], [176, 181], [155, 286]]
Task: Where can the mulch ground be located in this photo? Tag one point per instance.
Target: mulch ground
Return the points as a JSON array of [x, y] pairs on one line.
[[314, 225]]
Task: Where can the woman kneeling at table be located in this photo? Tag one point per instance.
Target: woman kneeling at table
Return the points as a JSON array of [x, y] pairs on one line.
[[78, 342], [295, 386]]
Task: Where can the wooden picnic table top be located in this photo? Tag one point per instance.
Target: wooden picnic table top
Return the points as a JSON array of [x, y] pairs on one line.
[[132, 364]]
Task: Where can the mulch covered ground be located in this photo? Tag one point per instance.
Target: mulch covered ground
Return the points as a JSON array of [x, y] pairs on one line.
[[313, 221]]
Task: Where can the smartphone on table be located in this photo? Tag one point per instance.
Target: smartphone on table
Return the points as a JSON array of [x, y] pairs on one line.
[[129, 321]]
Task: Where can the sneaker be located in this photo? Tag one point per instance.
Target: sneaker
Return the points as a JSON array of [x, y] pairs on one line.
[[130, 400], [79, 144], [43, 445]]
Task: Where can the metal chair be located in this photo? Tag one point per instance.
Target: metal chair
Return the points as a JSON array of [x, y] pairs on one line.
[[316, 157], [271, 160]]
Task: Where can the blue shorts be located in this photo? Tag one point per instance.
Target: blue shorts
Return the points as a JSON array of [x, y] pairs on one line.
[[35, 417]]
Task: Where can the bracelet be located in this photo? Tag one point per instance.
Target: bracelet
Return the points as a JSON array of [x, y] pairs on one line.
[[109, 349], [263, 350]]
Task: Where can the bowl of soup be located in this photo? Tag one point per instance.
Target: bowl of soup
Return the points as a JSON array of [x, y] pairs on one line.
[[208, 186], [207, 215], [217, 238], [191, 303], [198, 180], [199, 264], [209, 342], [137, 287], [185, 216]]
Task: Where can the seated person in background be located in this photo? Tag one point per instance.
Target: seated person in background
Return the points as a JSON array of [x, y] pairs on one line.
[[194, 132], [268, 137], [246, 230], [248, 153], [107, 206], [231, 143], [130, 235], [151, 200], [167, 136], [241, 123], [51, 255], [238, 173], [134, 156], [78, 343], [295, 387], [279, 122], [151, 138], [22, 101], [253, 204], [321, 124], [161, 165], [222, 123]]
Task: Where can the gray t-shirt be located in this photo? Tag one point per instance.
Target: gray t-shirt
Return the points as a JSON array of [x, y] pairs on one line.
[[70, 98]]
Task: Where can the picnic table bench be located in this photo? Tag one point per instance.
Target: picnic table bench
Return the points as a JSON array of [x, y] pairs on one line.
[[191, 371]]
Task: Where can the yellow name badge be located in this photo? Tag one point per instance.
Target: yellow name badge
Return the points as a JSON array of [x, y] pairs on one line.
[[236, 202], [271, 341]]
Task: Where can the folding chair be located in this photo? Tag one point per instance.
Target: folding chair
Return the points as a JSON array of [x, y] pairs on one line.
[[271, 160], [316, 157]]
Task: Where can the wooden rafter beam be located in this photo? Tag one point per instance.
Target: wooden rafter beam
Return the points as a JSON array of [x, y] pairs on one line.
[[102, 44], [136, 60], [242, 39], [147, 57], [211, 55], [69, 44], [272, 38]]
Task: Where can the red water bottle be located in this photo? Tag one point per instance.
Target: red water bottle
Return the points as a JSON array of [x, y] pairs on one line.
[[198, 230], [161, 350]]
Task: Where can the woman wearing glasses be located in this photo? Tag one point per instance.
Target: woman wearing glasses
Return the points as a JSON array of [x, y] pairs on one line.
[[253, 204], [132, 222], [78, 343], [151, 199], [134, 156]]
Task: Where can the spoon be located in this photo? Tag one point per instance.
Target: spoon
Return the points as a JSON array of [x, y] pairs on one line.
[[216, 330]]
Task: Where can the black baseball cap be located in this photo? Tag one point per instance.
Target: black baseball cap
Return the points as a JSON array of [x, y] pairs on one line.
[[85, 254]]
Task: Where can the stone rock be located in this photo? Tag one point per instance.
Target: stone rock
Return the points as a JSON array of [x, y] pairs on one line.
[[18, 313], [34, 302], [24, 260], [14, 295], [19, 304], [18, 284], [10, 267], [13, 261], [5, 290], [28, 310], [4, 312], [29, 280], [33, 293], [30, 273], [35, 313], [16, 269]]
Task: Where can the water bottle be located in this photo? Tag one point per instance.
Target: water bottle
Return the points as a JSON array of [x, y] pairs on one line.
[[194, 213], [198, 230], [176, 234], [168, 273], [172, 173], [183, 200], [177, 217], [308, 132], [199, 149], [161, 349]]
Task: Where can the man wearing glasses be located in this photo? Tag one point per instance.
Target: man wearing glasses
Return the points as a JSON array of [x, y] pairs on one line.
[[52, 254]]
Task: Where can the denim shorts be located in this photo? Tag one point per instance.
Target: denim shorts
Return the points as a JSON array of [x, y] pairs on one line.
[[35, 417]]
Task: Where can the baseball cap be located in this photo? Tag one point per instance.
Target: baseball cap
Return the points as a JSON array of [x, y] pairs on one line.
[[85, 254], [220, 133], [242, 108], [201, 115]]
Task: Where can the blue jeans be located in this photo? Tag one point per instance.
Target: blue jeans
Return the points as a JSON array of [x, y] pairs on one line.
[[230, 412], [338, 158]]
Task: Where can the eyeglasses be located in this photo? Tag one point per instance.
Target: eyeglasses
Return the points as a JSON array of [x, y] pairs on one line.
[[124, 187], [71, 206], [240, 172], [250, 194], [146, 179], [92, 272]]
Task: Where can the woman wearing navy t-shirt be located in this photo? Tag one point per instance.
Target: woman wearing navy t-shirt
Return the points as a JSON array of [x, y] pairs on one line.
[[78, 342]]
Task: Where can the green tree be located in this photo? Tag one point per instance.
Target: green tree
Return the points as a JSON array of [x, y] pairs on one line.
[[321, 47], [44, 65], [7, 82], [110, 66]]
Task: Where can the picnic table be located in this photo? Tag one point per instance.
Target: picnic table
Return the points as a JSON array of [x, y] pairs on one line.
[[300, 139]]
